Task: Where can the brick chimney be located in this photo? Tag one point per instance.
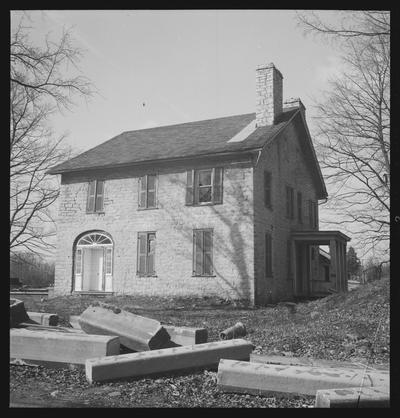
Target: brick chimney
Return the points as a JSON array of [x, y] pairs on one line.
[[268, 94]]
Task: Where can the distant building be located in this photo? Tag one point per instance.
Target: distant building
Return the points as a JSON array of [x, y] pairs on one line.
[[225, 207]]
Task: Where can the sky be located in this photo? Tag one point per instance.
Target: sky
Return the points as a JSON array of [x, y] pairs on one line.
[[154, 68]]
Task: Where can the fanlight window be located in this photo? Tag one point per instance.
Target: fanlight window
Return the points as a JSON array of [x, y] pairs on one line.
[[95, 239]]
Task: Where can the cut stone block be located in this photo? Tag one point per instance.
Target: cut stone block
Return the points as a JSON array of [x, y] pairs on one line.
[[367, 397], [307, 361], [61, 347], [37, 327], [168, 359], [136, 332], [186, 335], [74, 321], [257, 378], [44, 318], [17, 312]]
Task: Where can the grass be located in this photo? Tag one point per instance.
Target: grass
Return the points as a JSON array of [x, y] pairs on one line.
[[345, 327]]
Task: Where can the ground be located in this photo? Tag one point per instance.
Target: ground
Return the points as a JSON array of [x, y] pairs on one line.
[[344, 327]]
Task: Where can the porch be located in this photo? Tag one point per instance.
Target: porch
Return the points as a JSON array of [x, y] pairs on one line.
[[307, 276]]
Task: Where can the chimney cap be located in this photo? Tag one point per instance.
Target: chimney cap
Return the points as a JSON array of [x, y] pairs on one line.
[[294, 102], [267, 66]]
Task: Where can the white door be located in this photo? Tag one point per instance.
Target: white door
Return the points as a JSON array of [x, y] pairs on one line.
[[93, 269]]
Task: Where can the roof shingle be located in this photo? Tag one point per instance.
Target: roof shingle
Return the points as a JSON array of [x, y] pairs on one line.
[[174, 141]]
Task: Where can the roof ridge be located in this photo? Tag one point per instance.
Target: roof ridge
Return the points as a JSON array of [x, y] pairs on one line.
[[189, 123]]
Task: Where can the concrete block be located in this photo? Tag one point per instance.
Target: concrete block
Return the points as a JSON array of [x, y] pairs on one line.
[[37, 327], [44, 318], [136, 332], [17, 312], [186, 335], [258, 378], [61, 347], [74, 321], [164, 360], [307, 361], [367, 397]]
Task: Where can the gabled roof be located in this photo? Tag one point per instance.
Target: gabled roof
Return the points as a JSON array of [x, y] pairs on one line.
[[191, 139]]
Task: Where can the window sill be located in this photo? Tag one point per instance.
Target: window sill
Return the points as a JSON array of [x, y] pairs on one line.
[[140, 209], [95, 213], [204, 275], [145, 276], [204, 204]]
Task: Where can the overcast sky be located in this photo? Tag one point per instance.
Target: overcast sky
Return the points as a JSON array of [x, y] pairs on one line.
[[155, 68]]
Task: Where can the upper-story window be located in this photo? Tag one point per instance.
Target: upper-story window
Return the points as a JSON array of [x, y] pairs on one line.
[[147, 191], [95, 196], [289, 202], [300, 207], [312, 214], [204, 186], [267, 189]]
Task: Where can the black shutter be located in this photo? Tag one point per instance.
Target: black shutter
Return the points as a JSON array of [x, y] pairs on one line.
[[142, 191], [207, 253], [91, 196], [218, 185], [197, 253], [99, 196], [142, 253], [189, 187]]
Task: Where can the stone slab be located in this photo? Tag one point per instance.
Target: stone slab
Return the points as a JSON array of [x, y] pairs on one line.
[[44, 318], [367, 397], [258, 378], [165, 360], [307, 361], [18, 313], [136, 332], [74, 321], [38, 327], [61, 347], [186, 335]]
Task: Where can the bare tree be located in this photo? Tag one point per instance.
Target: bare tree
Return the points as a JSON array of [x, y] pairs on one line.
[[39, 86], [353, 132]]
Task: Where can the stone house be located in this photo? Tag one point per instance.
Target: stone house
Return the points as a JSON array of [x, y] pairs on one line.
[[225, 207]]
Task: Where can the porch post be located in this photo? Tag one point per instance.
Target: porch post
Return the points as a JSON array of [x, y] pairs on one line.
[[340, 265], [294, 267], [346, 287], [334, 266]]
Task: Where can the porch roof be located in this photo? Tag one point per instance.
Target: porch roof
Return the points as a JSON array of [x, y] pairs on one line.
[[319, 237]]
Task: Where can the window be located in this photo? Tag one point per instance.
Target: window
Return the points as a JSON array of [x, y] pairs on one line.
[[108, 260], [289, 258], [147, 191], [268, 255], [204, 186], [202, 252], [95, 196], [299, 207], [78, 261], [146, 253], [326, 273], [313, 214], [267, 189], [289, 202]]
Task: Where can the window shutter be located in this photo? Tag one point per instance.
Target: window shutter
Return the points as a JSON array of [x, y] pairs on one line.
[[310, 213], [267, 188], [189, 187], [207, 252], [287, 202], [218, 185], [91, 196], [151, 191], [142, 191], [197, 253], [99, 196], [151, 253], [268, 255], [142, 252]]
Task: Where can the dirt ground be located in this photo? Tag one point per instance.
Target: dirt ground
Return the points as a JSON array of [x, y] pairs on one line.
[[345, 327]]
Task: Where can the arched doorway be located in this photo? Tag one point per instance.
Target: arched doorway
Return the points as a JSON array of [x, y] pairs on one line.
[[93, 262]]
